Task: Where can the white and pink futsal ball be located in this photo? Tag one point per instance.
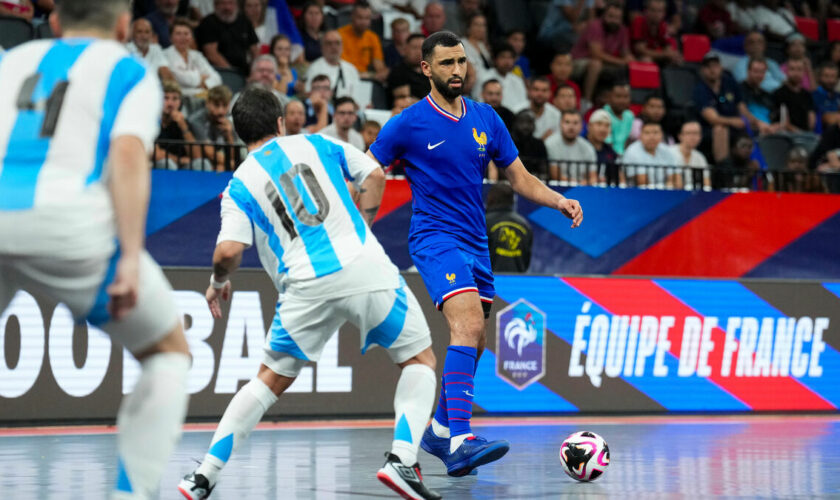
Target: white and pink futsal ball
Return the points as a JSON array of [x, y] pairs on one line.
[[585, 456]]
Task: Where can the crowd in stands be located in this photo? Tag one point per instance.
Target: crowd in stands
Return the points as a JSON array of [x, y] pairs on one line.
[[727, 93]]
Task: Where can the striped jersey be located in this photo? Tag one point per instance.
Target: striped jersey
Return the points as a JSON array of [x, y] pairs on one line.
[[310, 237], [61, 104]]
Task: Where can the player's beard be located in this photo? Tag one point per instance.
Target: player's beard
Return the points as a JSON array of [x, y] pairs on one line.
[[445, 90]]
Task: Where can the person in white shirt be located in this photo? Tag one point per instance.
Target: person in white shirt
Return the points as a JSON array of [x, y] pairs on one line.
[[648, 157], [142, 46], [686, 155], [343, 75], [475, 44], [546, 116], [262, 18], [570, 156], [192, 71], [290, 200], [513, 86], [342, 126], [74, 192]]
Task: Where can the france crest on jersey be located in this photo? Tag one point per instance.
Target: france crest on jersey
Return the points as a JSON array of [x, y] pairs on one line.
[[446, 158]]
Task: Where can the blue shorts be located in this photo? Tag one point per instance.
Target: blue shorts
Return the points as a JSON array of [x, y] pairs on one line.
[[447, 270]]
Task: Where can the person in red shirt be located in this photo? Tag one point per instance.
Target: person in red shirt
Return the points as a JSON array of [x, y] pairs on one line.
[[561, 74], [605, 43], [715, 21], [649, 33]]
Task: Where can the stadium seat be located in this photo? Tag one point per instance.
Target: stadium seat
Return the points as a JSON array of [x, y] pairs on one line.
[[232, 78], [775, 149], [43, 30], [832, 29], [809, 27], [14, 31], [644, 75], [678, 84], [695, 47]]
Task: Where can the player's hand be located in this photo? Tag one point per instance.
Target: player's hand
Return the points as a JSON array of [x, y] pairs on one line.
[[213, 295], [123, 291], [572, 210]]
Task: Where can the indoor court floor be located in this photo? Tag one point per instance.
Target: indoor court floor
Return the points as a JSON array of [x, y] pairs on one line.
[[651, 457]]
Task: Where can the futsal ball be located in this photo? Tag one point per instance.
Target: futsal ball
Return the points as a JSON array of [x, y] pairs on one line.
[[585, 456]]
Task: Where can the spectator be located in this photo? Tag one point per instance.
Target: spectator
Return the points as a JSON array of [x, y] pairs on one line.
[[826, 158], [162, 19], [621, 118], [774, 19], [793, 105], [262, 18], [475, 43], [343, 75], [651, 41], [522, 67], [718, 101], [653, 110], [370, 130], [740, 168], [142, 8], [546, 116], [832, 54], [597, 133], [561, 23], [509, 235], [826, 98], [342, 126], [602, 96], [644, 159], [457, 14], [395, 51], [264, 73], [287, 76], [170, 152], [513, 87], [491, 93], [192, 71], [361, 46], [402, 99], [673, 8], [434, 18], [318, 106], [570, 156], [798, 51], [199, 9], [604, 43], [796, 178], [565, 98], [743, 14], [311, 29], [227, 38], [409, 71], [696, 175], [294, 117], [531, 150], [758, 102], [561, 73], [754, 46], [142, 46], [212, 126], [715, 21]]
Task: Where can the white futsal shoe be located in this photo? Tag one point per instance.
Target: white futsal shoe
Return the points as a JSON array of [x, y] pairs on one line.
[[406, 481], [195, 486]]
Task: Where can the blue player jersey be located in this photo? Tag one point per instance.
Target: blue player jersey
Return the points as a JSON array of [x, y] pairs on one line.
[[446, 160]]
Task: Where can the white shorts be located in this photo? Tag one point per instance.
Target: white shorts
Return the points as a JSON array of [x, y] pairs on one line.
[[388, 318], [81, 284]]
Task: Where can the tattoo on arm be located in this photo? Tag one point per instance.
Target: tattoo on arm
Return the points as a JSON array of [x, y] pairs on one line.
[[370, 214], [220, 272]]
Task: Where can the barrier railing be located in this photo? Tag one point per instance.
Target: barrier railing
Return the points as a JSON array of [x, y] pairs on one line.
[[205, 156]]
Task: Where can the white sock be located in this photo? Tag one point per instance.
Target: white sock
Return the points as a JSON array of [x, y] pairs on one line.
[[413, 401], [456, 441], [241, 416], [149, 423], [439, 429]]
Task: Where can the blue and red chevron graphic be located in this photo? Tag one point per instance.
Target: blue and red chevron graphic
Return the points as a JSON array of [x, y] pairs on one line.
[[625, 231]]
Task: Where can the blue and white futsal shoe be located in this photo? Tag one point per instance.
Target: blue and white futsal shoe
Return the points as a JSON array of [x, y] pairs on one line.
[[473, 452]]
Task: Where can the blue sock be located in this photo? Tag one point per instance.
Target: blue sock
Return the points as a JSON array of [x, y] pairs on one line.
[[440, 413], [458, 372]]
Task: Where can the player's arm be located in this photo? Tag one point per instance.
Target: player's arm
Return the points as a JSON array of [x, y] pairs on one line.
[[129, 186], [235, 236], [370, 196], [535, 190]]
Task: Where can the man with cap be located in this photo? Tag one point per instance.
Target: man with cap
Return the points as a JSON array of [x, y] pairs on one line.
[[718, 102], [606, 157]]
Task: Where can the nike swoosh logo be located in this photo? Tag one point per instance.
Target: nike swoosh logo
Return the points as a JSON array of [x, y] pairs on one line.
[[468, 393], [431, 147]]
